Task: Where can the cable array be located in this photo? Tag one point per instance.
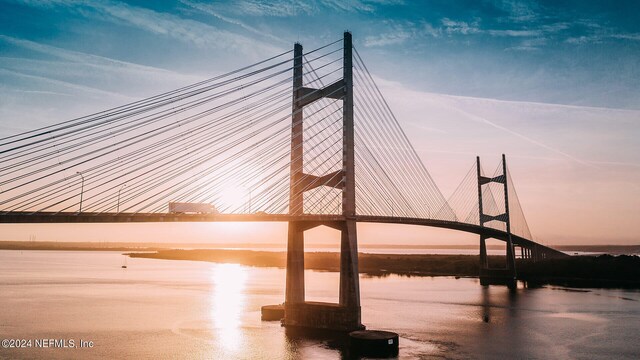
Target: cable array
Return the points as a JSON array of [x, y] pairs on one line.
[[519, 224], [226, 141], [328, 157], [223, 141], [464, 199], [391, 180]]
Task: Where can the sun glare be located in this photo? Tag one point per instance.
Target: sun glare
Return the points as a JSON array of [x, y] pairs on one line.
[[234, 199], [228, 303]]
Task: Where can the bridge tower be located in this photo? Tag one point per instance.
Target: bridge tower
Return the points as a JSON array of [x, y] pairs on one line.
[[344, 316], [493, 276]]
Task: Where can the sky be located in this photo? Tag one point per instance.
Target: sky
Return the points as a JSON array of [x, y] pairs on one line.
[[553, 84]]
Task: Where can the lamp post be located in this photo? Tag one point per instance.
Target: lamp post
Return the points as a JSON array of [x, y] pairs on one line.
[[244, 198], [81, 189], [122, 187]]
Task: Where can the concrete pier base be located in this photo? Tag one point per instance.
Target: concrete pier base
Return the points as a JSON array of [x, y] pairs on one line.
[[272, 312], [323, 316], [373, 343]]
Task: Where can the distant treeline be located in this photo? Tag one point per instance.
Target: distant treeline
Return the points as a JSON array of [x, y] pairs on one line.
[[119, 245], [581, 271], [77, 246], [585, 271], [605, 249]]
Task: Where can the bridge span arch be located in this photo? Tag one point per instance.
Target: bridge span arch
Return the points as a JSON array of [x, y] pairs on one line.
[[87, 217]]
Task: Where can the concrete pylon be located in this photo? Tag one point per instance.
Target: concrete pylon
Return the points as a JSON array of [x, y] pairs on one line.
[[345, 315], [488, 275]]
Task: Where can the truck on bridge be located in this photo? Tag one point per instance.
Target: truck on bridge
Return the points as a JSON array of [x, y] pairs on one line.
[[191, 208]]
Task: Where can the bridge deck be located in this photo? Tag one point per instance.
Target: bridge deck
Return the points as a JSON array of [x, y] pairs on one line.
[[88, 217]]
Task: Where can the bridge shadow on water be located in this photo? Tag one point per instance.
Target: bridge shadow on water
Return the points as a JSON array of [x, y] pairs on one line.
[[500, 313], [503, 312], [298, 338]]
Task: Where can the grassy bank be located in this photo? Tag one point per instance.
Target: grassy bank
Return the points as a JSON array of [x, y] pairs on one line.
[[601, 271]]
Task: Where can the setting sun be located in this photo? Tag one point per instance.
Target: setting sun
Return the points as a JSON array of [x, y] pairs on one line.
[[234, 199]]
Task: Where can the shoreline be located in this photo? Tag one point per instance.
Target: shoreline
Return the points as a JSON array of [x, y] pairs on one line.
[[603, 271], [278, 247], [107, 245]]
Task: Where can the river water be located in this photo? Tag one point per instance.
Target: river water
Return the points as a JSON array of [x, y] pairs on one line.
[[164, 309]]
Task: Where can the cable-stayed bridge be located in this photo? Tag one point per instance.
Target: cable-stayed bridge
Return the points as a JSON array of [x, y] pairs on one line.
[[301, 137]]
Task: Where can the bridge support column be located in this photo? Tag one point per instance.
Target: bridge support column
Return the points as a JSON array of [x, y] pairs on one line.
[[345, 315], [511, 257], [295, 265], [349, 280], [484, 261], [497, 276]]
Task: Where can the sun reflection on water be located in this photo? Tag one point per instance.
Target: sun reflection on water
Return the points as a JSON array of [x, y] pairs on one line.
[[228, 303]]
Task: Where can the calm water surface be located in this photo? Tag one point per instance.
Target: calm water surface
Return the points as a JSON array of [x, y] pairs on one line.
[[181, 309]]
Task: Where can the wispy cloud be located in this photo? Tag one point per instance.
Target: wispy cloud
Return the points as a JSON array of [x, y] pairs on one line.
[[98, 93], [460, 27], [210, 9], [635, 36], [160, 23], [277, 8], [84, 58], [529, 44], [515, 33], [486, 121], [398, 33], [290, 8], [200, 34], [350, 6], [449, 108], [582, 39], [388, 38], [517, 10], [555, 27], [427, 128], [593, 31], [84, 75], [600, 36]]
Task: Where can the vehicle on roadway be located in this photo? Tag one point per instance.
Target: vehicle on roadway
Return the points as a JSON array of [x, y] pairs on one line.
[[191, 208]]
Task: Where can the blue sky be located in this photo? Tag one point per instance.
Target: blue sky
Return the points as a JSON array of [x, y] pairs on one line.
[[554, 84], [566, 52]]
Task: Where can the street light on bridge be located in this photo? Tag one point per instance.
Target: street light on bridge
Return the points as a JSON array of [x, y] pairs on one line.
[[250, 190], [81, 190], [122, 187], [390, 204]]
